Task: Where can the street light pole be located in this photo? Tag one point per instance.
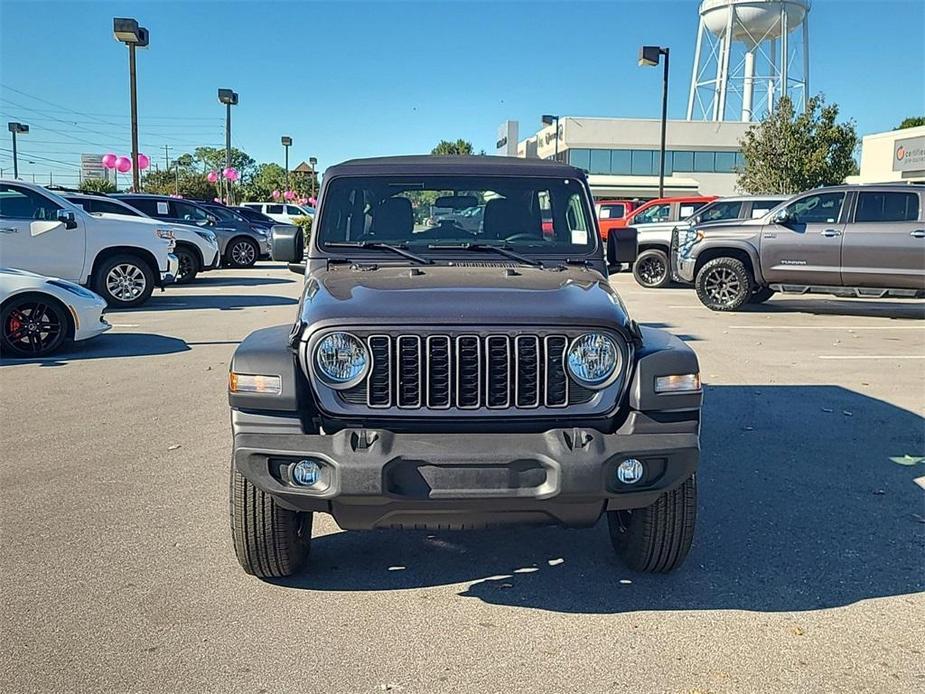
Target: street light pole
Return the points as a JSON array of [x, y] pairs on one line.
[[21, 129], [128, 32], [228, 97], [287, 143], [649, 56], [313, 162]]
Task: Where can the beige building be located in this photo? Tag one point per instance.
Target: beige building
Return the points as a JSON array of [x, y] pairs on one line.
[[895, 156], [621, 155]]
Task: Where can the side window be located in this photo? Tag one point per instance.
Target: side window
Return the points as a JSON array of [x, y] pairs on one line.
[[146, 205], [22, 203], [189, 213], [721, 211], [612, 211], [112, 208], [294, 211], [887, 207], [761, 207], [821, 208], [656, 213], [578, 224], [274, 209]]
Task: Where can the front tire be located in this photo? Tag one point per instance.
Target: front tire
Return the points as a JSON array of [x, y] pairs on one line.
[[189, 265], [656, 539], [125, 281], [242, 252], [269, 540], [723, 284], [651, 269], [33, 325]]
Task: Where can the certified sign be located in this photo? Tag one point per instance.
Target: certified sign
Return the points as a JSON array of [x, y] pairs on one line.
[[909, 154]]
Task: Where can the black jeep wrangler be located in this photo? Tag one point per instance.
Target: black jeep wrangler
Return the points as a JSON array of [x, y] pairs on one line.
[[445, 373]]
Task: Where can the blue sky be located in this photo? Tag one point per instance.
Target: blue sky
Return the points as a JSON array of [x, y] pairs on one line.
[[349, 79]]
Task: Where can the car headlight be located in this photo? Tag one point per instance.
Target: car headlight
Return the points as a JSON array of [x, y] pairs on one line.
[[593, 360], [73, 288], [341, 360], [206, 235]]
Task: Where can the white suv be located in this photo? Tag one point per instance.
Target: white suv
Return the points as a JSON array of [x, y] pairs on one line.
[[42, 232], [281, 212]]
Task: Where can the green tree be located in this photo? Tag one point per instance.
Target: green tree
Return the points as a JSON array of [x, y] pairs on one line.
[[188, 182], [269, 177], [97, 185], [459, 147], [213, 158], [789, 152], [911, 122]]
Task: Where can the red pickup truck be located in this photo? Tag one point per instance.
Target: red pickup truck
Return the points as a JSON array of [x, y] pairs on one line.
[[609, 211]]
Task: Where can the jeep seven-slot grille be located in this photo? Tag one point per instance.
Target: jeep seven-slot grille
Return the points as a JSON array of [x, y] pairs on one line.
[[467, 372]]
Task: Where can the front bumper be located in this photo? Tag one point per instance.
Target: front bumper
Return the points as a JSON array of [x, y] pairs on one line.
[[89, 321], [169, 276], [685, 269], [215, 262], [264, 244], [374, 478]]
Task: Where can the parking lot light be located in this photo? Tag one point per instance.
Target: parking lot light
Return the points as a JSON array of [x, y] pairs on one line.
[[649, 57], [17, 129], [287, 143], [127, 31], [229, 97]]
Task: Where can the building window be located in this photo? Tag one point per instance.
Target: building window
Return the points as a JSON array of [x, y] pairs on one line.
[[621, 161], [682, 161], [740, 160], [703, 162], [725, 162], [600, 161], [580, 158], [642, 162]]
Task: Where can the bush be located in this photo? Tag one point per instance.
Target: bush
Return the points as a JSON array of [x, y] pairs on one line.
[[97, 185], [305, 224]]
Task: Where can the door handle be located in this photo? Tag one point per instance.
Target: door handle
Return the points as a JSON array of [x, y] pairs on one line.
[[830, 233], [918, 233], [9, 230]]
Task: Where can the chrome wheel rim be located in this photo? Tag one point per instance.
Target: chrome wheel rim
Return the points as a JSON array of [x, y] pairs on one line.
[[126, 282], [651, 270], [243, 253], [722, 285], [32, 328]]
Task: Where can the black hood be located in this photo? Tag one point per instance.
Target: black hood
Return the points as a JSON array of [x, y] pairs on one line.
[[460, 295]]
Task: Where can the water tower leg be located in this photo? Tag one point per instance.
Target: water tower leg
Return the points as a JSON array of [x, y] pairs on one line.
[[772, 76], [806, 92], [717, 83], [695, 75], [748, 85], [784, 53], [727, 49]]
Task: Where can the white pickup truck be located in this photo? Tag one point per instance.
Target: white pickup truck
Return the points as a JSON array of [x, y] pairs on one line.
[[44, 233]]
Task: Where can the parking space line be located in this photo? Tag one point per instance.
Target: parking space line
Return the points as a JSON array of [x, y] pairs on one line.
[[871, 356], [826, 327], [126, 325]]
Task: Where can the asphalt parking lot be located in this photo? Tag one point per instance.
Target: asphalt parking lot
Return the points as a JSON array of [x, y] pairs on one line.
[[806, 573]]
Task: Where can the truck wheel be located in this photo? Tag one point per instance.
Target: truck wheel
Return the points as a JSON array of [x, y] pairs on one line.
[[269, 541], [656, 539], [760, 296], [125, 281], [651, 269], [723, 284], [189, 265], [242, 252]]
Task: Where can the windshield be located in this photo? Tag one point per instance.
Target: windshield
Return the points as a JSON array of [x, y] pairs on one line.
[[224, 214], [535, 216]]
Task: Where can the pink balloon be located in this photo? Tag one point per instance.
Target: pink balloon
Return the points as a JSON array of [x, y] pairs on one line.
[[212, 177], [312, 201], [123, 164], [289, 195], [143, 161], [275, 195], [230, 173], [108, 161]]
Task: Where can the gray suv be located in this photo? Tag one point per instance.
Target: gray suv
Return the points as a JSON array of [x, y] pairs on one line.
[[439, 376], [861, 240], [239, 244]]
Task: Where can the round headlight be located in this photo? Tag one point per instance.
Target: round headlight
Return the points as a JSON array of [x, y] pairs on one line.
[[593, 360], [342, 360]]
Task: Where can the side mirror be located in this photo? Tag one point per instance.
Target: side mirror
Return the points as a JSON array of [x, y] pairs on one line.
[[622, 247], [781, 217], [287, 243], [68, 219]]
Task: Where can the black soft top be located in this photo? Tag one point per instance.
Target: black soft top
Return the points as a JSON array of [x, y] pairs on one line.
[[476, 165]]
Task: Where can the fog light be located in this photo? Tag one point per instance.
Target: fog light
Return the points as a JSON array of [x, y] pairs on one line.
[[630, 471], [306, 473]]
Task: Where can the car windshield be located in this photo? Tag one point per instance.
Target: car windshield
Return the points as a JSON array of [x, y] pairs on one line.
[[223, 213], [534, 216]]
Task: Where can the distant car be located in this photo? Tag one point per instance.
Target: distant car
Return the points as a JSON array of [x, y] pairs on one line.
[[196, 249], [123, 258], [285, 212], [609, 211], [38, 314], [239, 244], [255, 218]]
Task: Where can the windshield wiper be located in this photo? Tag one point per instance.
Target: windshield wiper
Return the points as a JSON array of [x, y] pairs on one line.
[[400, 250], [504, 250]]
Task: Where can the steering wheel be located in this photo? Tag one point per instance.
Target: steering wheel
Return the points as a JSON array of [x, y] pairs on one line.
[[523, 236]]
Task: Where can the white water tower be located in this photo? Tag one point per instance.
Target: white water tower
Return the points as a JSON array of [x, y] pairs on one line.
[[749, 54]]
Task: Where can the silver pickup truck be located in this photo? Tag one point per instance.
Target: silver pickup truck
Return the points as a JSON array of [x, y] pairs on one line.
[[864, 241]]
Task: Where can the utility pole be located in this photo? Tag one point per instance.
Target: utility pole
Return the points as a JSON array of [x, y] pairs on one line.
[[166, 158]]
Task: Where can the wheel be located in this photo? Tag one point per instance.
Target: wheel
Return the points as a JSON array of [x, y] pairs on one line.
[[723, 284], [33, 325], [241, 252], [651, 269], [269, 541], [656, 539], [125, 281], [189, 265], [761, 295]]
